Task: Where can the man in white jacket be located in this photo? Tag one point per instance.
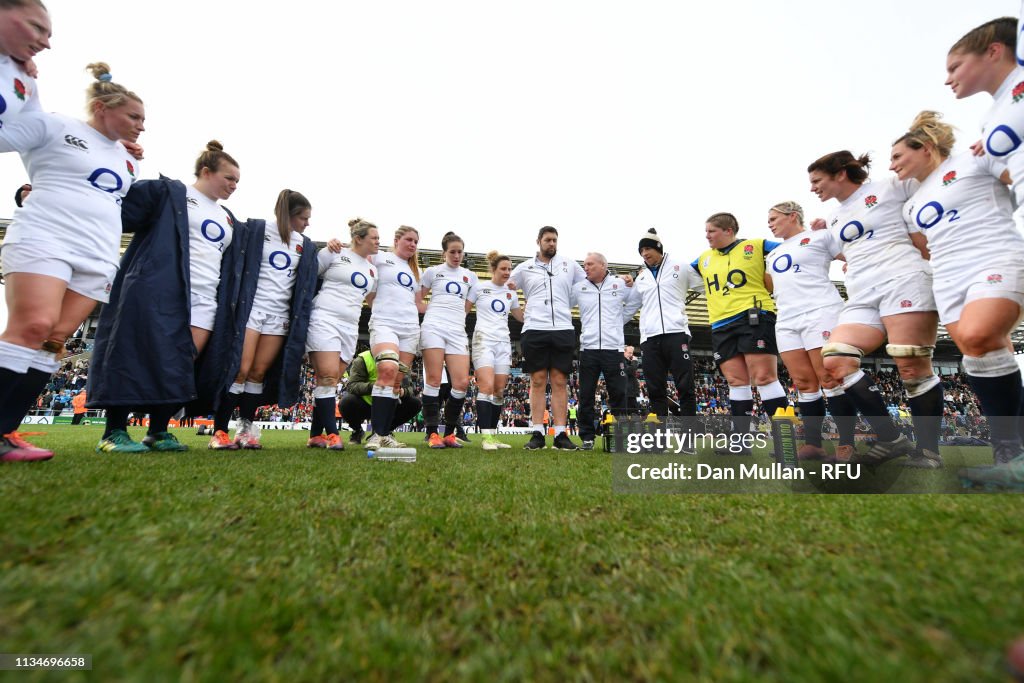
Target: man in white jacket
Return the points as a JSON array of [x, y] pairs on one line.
[[661, 288], [602, 301]]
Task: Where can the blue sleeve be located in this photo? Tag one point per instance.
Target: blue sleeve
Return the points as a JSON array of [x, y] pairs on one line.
[[695, 264], [769, 246]]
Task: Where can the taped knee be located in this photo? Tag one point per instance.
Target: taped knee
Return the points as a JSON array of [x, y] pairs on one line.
[[403, 368], [388, 357], [841, 349], [909, 351]]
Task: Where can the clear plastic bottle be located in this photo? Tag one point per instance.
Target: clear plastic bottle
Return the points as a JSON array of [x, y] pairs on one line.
[[393, 454]]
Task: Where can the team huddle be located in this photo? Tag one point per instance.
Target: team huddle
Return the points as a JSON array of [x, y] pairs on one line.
[[232, 308]]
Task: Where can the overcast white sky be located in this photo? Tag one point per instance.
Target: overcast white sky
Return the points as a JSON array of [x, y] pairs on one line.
[[493, 119]]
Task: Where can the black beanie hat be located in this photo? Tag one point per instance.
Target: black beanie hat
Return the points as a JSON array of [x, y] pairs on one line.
[[650, 239]]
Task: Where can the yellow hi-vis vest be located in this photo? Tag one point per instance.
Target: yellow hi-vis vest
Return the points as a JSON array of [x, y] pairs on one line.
[[734, 279]]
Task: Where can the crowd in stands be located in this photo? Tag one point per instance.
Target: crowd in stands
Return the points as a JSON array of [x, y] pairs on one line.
[[962, 416]]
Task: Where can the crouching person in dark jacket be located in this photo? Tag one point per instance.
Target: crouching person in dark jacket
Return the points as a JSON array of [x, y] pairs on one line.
[[355, 404]]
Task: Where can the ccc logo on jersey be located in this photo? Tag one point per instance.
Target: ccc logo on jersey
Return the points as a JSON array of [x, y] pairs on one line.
[[77, 143]]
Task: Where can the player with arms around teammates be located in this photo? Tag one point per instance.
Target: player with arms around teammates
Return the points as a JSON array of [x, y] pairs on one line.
[[661, 288], [742, 316], [989, 59], [605, 307], [977, 255], [174, 277], [549, 338], [492, 346], [349, 277], [443, 340], [808, 307], [394, 332], [60, 254], [889, 284], [255, 356]]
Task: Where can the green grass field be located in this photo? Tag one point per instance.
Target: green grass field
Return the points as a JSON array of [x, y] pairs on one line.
[[297, 565]]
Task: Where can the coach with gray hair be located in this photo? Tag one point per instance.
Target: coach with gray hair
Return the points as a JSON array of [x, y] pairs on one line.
[[603, 313]]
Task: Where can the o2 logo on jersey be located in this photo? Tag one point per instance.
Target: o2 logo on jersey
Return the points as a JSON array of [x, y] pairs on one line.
[[3, 106], [360, 281], [102, 173], [783, 263], [453, 288], [853, 231], [929, 215], [214, 232], [498, 306], [280, 260], [1002, 141], [405, 279]]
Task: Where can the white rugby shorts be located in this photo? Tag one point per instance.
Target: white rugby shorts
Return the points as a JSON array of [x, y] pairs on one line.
[[808, 329], [84, 273], [490, 353], [909, 293]]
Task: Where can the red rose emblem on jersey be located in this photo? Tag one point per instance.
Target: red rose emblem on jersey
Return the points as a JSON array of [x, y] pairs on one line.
[[465, 278], [805, 241], [995, 279], [825, 335], [372, 274], [298, 248], [949, 178], [1018, 92], [131, 169], [19, 89], [508, 295], [906, 303], [870, 201]]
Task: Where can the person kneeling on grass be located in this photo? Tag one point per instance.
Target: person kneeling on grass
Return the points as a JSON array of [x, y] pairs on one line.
[[355, 404]]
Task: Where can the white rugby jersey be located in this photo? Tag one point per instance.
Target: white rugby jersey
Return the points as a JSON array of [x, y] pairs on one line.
[[278, 269], [603, 312], [79, 177], [799, 268], [395, 301], [450, 289], [348, 278], [18, 91], [869, 230], [662, 297], [967, 215], [546, 287], [1003, 129], [493, 303], [209, 233]]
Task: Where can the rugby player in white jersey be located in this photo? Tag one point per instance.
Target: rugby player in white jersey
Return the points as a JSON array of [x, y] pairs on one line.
[[984, 60], [605, 306], [549, 338], [394, 331], [151, 211], [443, 340], [61, 251], [24, 32], [492, 346], [808, 307], [267, 326], [964, 209], [889, 284], [349, 277]]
